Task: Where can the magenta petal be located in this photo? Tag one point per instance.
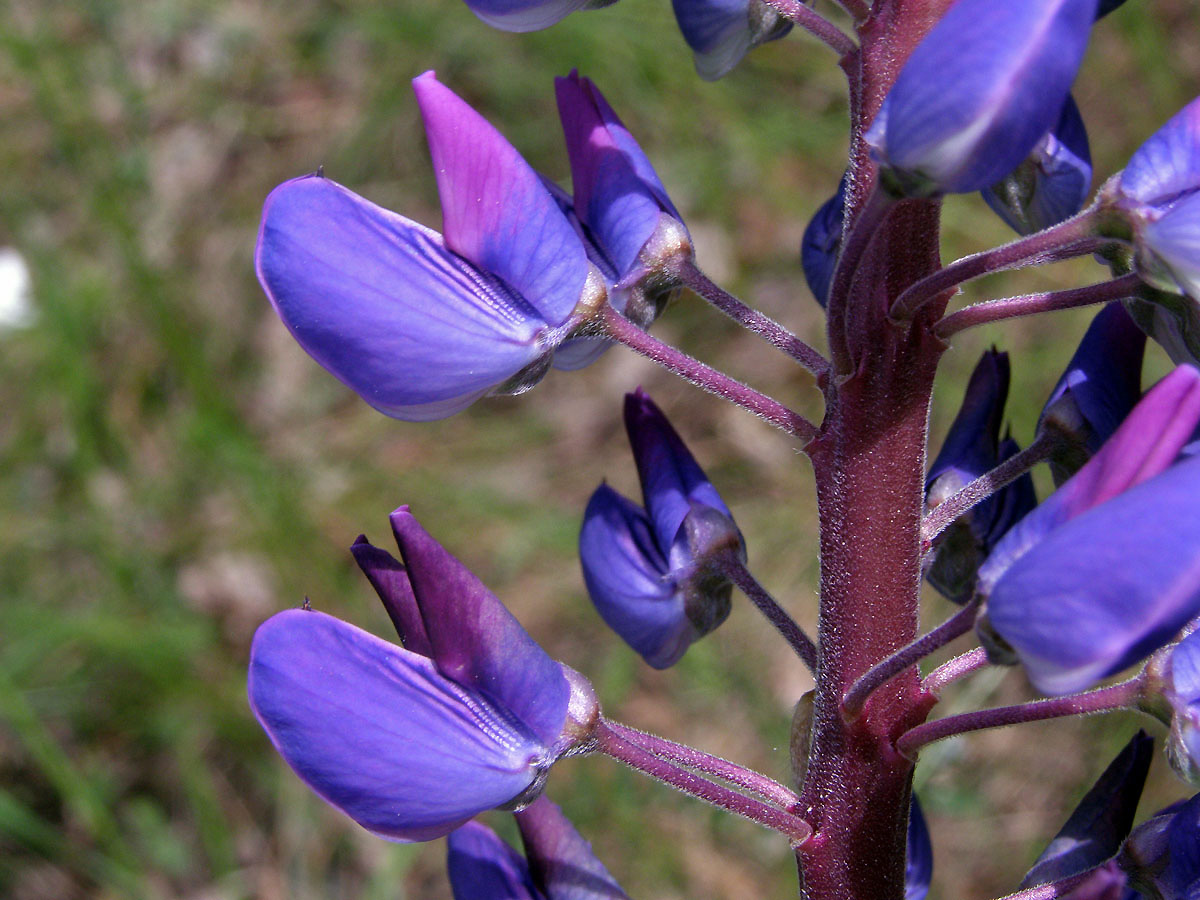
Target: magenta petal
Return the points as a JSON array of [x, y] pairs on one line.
[[390, 581], [496, 211], [560, 860], [380, 302], [475, 640], [379, 733]]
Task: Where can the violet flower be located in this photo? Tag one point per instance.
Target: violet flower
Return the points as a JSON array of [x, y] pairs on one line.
[[721, 32], [1053, 182], [421, 325], [1101, 384], [1095, 831], [650, 572], [560, 866], [1182, 694], [972, 448], [983, 87], [918, 869], [529, 15], [412, 742], [1162, 855], [618, 195], [822, 243]]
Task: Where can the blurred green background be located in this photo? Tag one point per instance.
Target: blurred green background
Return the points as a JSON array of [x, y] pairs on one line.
[[173, 469]]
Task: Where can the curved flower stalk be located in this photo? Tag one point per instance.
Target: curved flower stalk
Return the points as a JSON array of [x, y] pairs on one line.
[[421, 325], [1053, 182], [558, 862], [650, 572], [411, 742], [721, 32], [983, 87], [973, 447], [1100, 386]]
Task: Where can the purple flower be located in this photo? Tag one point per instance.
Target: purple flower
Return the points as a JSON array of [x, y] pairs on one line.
[[412, 742], [1094, 832], [721, 32], [1183, 700], [972, 447], [978, 93], [1146, 443], [1162, 854], [529, 15], [561, 865], [918, 869], [420, 324], [1053, 182], [618, 195], [650, 572], [822, 242], [1101, 385]]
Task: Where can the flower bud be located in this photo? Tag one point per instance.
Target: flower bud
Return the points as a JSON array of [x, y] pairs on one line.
[[721, 32], [1162, 855], [529, 15], [822, 243], [1053, 182]]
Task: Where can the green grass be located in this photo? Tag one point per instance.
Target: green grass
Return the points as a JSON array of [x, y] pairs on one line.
[[173, 469]]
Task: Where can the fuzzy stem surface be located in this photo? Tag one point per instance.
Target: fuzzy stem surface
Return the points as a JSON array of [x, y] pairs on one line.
[[815, 24], [736, 571]]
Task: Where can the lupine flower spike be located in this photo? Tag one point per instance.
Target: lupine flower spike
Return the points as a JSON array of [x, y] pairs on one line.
[[411, 742], [648, 571], [1116, 572], [984, 86], [419, 324]]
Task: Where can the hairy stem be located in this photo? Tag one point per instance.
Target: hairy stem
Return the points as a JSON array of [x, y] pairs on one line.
[[956, 626], [621, 748], [1117, 696], [735, 570], [954, 669], [751, 319], [620, 329], [1031, 304], [943, 515], [816, 25], [759, 785], [1074, 237]]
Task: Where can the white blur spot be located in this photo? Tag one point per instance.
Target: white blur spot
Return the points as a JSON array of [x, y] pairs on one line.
[[16, 291]]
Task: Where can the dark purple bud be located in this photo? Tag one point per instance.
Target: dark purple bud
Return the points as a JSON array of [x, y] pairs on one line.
[[1101, 385], [656, 574], [822, 242], [721, 32], [1107, 6], [1182, 692], [972, 448], [529, 15], [1100, 823], [421, 325], [1145, 444], [1053, 182], [367, 725], [918, 869], [978, 93], [618, 195], [561, 862], [484, 867], [1162, 855], [1106, 589]]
